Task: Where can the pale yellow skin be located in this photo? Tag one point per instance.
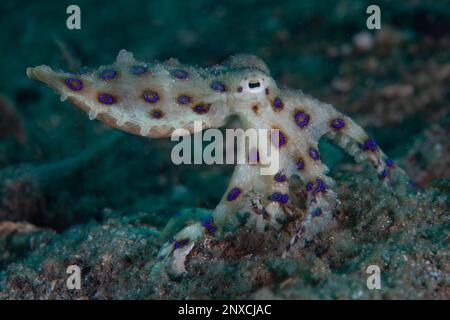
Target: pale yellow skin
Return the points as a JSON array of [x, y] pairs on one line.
[[254, 107]]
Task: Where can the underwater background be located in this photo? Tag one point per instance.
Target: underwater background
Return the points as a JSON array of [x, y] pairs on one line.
[[74, 191]]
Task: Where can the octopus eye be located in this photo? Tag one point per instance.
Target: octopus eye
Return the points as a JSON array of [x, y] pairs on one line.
[[254, 85]]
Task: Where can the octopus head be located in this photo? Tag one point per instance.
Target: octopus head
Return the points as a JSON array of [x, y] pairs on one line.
[[253, 85]]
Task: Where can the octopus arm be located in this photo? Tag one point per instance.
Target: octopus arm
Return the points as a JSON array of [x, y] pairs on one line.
[[154, 103], [353, 139]]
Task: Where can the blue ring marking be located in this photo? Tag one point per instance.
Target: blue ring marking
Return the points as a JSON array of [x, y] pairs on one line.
[[157, 114], [279, 177], [313, 153], [277, 103], [278, 140], [201, 108], [206, 222], [301, 119], [108, 74], [151, 96], [183, 99], [106, 98], [180, 73], [370, 144], [233, 194], [300, 165], [321, 186], [218, 86], [389, 163], [338, 123], [276, 196], [74, 84], [181, 243], [282, 139], [383, 174], [138, 69]]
